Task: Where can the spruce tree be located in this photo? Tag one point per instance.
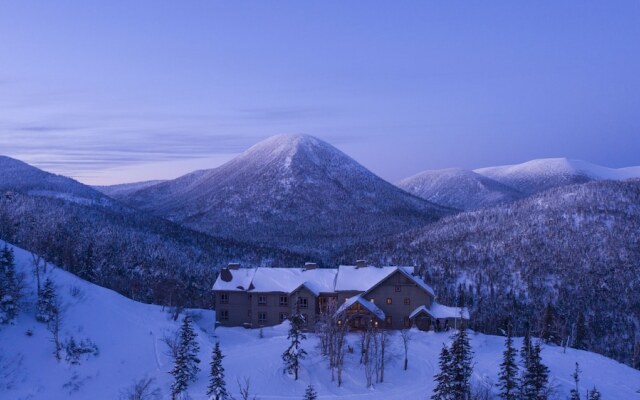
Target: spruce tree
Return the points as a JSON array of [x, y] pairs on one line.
[[294, 353], [443, 377], [9, 287], [536, 376], [46, 307], [547, 331], [461, 365], [508, 376], [310, 393], [186, 367], [217, 388], [581, 333], [594, 394], [575, 392]]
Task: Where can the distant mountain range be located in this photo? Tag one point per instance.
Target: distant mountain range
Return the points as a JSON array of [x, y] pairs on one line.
[[293, 191], [486, 187]]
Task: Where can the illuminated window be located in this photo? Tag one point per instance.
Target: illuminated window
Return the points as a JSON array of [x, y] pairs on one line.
[[389, 300], [407, 301]]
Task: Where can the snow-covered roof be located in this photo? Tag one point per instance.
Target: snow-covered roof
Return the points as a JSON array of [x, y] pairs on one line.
[[240, 280], [363, 279], [369, 305], [439, 311], [284, 280]]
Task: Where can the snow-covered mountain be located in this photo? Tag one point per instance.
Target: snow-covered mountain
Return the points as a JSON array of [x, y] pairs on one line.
[[125, 188], [575, 247], [144, 256], [459, 188], [538, 175], [294, 191], [129, 337], [18, 176]]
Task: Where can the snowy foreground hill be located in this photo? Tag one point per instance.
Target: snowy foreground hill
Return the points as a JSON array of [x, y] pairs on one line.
[[129, 338]]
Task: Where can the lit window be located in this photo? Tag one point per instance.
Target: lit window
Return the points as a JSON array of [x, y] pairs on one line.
[[389, 300], [407, 301]]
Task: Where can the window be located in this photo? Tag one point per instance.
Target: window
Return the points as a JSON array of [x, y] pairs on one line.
[[388, 321], [283, 316], [284, 301], [262, 316], [303, 302], [389, 300], [407, 301], [262, 300], [224, 298], [373, 301], [398, 288], [224, 315]]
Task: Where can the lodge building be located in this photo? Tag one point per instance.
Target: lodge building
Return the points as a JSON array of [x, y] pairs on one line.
[[390, 297]]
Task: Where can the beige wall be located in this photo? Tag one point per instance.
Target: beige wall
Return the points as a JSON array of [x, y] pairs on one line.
[[237, 308]]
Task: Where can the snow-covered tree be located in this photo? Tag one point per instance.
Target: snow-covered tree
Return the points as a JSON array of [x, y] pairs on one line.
[[461, 365], [9, 286], [443, 377], [594, 394], [46, 307], [310, 393], [294, 353], [508, 376], [186, 368], [535, 377], [217, 388]]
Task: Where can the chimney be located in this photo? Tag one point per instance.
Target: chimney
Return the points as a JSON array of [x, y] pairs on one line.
[[309, 266], [361, 263], [226, 275], [233, 266]]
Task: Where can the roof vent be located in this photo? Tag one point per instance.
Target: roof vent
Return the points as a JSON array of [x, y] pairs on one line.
[[309, 266], [234, 266], [361, 263], [226, 275]]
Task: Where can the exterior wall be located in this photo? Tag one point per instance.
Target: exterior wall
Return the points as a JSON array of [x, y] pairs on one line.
[[312, 310], [344, 295], [236, 308], [398, 310], [273, 309]]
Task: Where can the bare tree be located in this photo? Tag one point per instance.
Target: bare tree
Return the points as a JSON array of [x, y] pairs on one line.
[[38, 263], [54, 327], [406, 336], [172, 340], [143, 389], [244, 387]]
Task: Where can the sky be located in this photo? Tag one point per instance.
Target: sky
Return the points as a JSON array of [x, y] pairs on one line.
[[122, 91]]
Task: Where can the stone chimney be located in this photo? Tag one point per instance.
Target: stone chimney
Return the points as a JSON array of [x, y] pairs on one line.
[[361, 263], [310, 265], [233, 266]]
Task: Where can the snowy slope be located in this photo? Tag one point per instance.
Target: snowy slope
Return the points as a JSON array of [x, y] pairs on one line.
[[459, 188], [125, 188], [129, 334], [538, 175], [294, 191]]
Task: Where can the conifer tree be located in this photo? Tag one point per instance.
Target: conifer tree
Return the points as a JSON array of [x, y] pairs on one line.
[[461, 365], [217, 388], [294, 353], [594, 394], [310, 393], [581, 333], [9, 286], [547, 329], [508, 376], [443, 377], [575, 392], [186, 367], [46, 307], [536, 377]]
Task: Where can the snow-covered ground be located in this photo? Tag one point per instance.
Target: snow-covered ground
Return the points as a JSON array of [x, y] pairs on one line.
[[129, 336]]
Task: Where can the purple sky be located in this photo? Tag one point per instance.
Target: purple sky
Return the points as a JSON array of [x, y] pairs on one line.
[[119, 91]]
